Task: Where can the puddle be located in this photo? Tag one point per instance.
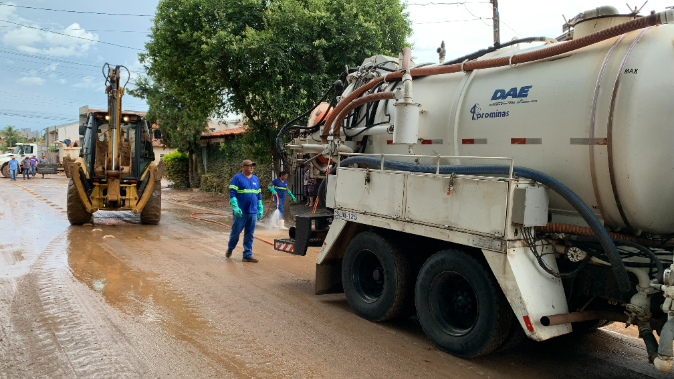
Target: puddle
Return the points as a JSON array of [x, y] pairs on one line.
[[143, 295]]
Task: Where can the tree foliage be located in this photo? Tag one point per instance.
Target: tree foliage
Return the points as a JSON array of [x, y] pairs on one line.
[[10, 134], [269, 60]]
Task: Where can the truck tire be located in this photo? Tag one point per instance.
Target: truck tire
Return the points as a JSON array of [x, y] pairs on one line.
[[376, 278], [460, 305], [77, 213], [5, 170], [151, 214], [515, 336]]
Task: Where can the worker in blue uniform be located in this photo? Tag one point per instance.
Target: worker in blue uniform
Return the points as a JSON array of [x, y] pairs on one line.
[[279, 186], [246, 200]]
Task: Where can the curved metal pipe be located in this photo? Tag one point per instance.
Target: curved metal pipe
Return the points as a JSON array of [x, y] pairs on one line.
[[554, 227], [551, 51], [354, 104]]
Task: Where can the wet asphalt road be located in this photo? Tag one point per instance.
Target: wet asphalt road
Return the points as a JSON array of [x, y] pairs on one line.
[[120, 299]]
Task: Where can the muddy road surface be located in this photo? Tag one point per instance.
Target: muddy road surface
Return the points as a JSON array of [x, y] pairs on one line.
[[121, 299]]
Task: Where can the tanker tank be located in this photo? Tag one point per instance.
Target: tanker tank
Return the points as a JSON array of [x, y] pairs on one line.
[[597, 119]]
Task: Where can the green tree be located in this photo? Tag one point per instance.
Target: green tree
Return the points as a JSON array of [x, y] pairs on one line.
[[11, 134], [180, 121], [269, 60]]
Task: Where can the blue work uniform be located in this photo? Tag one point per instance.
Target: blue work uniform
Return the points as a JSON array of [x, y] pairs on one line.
[[281, 188], [13, 166], [247, 192]]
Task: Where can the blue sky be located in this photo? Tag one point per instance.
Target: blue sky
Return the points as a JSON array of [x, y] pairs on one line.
[[45, 77]]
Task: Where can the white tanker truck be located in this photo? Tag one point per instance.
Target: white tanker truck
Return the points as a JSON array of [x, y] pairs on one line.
[[515, 191]]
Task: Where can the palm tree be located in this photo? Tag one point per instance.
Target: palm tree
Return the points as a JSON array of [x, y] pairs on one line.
[[11, 134]]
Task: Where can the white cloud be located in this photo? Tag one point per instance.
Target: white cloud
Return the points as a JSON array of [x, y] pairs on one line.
[[51, 67], [62, 81], [90, 82], [31, 81], [528, 17], [35, 41]]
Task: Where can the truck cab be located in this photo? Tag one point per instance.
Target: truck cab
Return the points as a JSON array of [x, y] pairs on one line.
[[21, 151]]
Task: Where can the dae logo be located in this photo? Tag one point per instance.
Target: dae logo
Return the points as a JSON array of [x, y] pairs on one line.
[[501, 94], [477, 113]]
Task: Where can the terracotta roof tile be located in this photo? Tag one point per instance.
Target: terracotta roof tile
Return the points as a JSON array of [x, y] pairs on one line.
[[226, 132]]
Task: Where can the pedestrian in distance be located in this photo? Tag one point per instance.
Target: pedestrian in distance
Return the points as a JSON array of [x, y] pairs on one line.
[[13, 168], [308, 184], [25, 168], [33, 164], [246, 200], [279, 186]]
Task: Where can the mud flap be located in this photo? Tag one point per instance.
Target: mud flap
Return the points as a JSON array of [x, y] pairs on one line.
[[286, 245], [531, 292], [305, 226]]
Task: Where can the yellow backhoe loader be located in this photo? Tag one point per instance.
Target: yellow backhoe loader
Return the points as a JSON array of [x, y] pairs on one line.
[[115, 170]]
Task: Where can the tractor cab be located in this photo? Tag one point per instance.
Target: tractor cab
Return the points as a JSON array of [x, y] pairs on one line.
[[135, 146]]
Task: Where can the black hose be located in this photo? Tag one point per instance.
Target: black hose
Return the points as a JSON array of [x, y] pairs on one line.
[[482, 52], [279, 137], [647, 252], [545, 179], [646, 334]]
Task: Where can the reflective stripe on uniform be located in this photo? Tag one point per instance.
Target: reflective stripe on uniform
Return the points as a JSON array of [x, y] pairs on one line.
[[246, 190], [281, 188]]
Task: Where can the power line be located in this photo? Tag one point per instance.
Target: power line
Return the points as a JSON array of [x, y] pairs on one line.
[[480, 18], [443, 22], [82, 12], [508, 26], [68, 35], [456, 3], [4, 51], [98, 30], [8, 114]]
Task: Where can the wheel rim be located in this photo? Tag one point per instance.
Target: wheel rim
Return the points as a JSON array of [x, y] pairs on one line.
[[453, 303], [368, 276]]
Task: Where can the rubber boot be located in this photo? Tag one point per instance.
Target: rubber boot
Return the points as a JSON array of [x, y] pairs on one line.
[[281, 224]]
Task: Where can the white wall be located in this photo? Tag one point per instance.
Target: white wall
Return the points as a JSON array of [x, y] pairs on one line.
[[71, 130], [159, 151]]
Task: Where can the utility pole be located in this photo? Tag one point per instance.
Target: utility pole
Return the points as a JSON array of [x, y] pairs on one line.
[[497, 26]]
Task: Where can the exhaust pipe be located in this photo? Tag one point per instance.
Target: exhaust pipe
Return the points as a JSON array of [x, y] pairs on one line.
[[582, 316]]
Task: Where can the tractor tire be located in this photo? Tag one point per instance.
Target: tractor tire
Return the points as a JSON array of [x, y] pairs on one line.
[[376, 278], [460, 305], [151, 214], [5, 171], [77, 213]]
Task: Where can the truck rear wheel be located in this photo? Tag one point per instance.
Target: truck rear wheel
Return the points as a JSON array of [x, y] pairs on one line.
[[151, 214], [77, 213], [5, 171], [376, 278], [460, 306]]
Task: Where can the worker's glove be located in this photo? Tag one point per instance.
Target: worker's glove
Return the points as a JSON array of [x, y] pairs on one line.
[[260, 213], [272, 189], [292, 196], [235, 207]]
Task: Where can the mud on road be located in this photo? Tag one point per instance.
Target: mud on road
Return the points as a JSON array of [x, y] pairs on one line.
[[119, 299]]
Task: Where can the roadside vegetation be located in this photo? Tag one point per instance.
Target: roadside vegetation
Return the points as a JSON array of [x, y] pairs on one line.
[[267, 60]]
